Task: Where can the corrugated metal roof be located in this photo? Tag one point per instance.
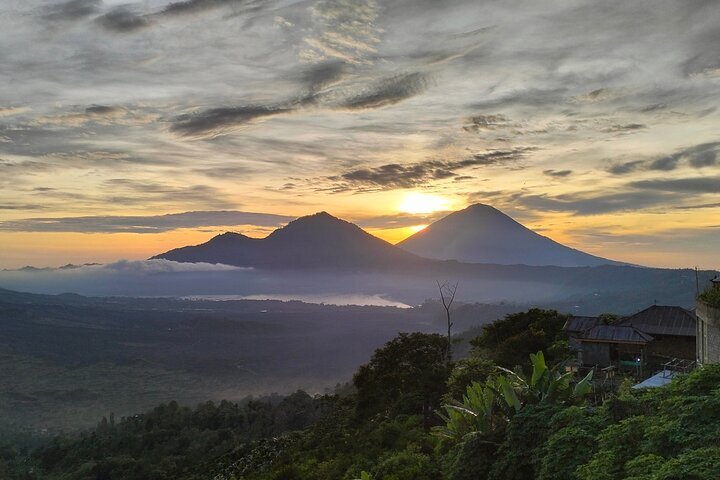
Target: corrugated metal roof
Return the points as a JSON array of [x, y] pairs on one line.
[[615, 333], [663, 320], [580, 324], [658, 380]]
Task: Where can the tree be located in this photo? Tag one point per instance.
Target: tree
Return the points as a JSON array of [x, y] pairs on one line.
[[509, 341], [447, 296], [406, 376]]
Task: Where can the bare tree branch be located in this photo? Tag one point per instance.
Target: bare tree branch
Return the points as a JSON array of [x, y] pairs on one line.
[[447, 296]]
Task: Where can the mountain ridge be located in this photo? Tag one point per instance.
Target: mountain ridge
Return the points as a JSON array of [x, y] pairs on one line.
[[319, 240], [322, 241]]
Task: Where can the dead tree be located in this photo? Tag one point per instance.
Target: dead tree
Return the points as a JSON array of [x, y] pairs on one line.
[[447, 296]]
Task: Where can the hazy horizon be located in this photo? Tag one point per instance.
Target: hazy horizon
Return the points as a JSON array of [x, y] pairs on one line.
[[114, 115]]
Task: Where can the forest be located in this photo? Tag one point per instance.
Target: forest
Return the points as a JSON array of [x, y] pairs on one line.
[[509, 410]]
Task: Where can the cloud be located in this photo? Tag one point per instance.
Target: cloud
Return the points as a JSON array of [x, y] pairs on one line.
[[398, 220], [595, 203], [319, 77], [122, 20], [144, 224], [345, 31], [558, 173], [681, 185], [624, 128], [219, 121], [72, 10], [387, 92], [477, 123], [194, 6], [697, 156], [20, 206], [130, 191], [695, 207], [214, 122], [396, 175], [155, 266]]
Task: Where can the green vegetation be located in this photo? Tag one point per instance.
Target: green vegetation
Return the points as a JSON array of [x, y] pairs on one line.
[[711, 296], [533, 422]]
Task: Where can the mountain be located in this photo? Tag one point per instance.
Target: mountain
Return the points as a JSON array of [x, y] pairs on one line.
[[483, 234], [315, 241]]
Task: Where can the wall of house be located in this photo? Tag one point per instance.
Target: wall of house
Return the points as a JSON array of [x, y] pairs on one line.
[[708, 338], [664, 346], [596, 354]]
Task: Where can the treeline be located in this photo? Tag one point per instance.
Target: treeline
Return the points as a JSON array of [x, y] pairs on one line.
[[507, 412]]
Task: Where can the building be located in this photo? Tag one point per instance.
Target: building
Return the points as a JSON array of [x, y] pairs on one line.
[[708, 325], [614, 345], [647, 339], [673, 329]]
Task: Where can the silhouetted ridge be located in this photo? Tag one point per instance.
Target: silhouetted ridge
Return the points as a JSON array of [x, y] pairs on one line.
[[318, 241], [483, 234]]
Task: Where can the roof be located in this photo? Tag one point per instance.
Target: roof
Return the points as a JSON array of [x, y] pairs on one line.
[[663, 320], [616, 334], [658, 380], [580, 324]]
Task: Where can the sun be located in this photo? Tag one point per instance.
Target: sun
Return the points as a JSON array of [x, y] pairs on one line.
[[415, 203]]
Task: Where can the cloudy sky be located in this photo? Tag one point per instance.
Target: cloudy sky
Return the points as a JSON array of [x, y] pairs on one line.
[[127, 128]]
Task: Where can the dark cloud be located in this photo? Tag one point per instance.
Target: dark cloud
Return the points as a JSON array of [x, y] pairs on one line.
[[72, 10], [193, 6], [664, 164], [101, 109], [595, 203], [238, 7], [122, 20], [388, 92], [136, 192], [681, 185], [534, 97], [698, 156], [624, 128], [319, 77], [397, 175], [700, 206], [558, 173], [217, 121], [477, 123], [21, 206], [144, 224]]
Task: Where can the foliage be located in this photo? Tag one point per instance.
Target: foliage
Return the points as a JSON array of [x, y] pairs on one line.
[[406, 376], [571, 442], [466, 371], [711, 296], [509, 341], [509, 425], [172, 441]]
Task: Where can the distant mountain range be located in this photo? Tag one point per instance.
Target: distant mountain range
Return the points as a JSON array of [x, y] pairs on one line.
[[483, 234], [478, 234], [314, 241]]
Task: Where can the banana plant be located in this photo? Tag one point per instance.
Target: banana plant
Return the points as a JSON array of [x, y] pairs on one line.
[[486, 406], [476, 412]]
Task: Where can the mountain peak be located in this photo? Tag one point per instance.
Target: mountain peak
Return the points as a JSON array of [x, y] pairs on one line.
[[319, 240], [483, 234]]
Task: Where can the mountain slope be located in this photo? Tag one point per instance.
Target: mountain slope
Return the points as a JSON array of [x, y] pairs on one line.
[[483, 234], [315, 241]]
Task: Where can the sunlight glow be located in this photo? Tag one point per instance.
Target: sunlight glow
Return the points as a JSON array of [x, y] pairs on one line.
[[415, 203]]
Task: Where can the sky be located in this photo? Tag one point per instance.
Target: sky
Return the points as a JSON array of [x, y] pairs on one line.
[[128, 128]]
